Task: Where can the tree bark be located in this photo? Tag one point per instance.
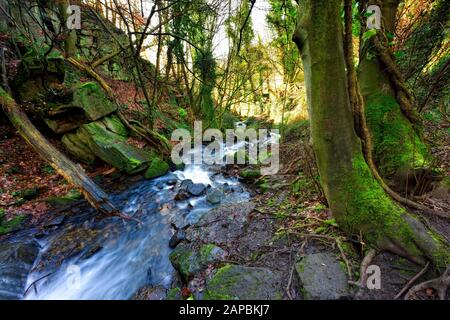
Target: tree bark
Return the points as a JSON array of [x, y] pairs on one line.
[[70, 171], [358, 202], [398, 149]]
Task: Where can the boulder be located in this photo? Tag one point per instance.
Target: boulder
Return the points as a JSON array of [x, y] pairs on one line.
[[16, 261], [114, 124], [233, 282], [178, 236], [214, 196], [222, 225], [113, 148], [196, 189], [188, 261], [75, 146], [322, 277], [90, 97]]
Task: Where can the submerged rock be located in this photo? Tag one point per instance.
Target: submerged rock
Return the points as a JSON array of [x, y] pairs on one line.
[[233, 282], [322, 277], [188, 261], [16, 261]]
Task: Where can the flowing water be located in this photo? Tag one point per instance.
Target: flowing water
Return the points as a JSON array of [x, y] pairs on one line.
[[135, 254], [123, 256]]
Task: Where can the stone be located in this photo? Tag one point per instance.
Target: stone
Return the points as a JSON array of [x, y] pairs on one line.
[[196, 189], [178, 236], [189, 261], [75, 146], [113, 148], [113, 124], [157, 169], [222, 225], [150, 293], [214, 196], [90, 97], [16, 261], [322, 277], [233, 282]]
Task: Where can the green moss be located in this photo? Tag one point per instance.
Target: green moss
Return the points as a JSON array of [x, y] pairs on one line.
[[157, 168], [397, 146], [174, 294], [250, 173], [370, 211], [222, 281], [8, 226]]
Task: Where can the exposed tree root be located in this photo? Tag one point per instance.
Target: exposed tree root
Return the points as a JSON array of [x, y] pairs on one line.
[[439, 284], [411, 282], [357, 103]]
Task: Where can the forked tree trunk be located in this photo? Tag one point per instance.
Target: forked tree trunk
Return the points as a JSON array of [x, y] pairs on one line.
[[398, 149], [70, 171], [357, 201]]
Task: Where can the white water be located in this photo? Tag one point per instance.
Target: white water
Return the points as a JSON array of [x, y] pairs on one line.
[[121, 267]]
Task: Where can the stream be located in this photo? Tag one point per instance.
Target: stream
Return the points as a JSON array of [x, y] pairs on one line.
[[127, 255]]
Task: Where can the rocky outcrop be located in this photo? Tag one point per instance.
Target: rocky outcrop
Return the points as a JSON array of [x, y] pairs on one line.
[[189, 261]]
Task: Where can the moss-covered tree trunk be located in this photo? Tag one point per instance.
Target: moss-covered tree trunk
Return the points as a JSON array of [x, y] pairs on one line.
[[69, 170], [358, 202], [398, 150]]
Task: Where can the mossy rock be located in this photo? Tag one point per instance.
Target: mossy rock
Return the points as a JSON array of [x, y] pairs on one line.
[[249, 174], [113, 124], [188, 261], [234, 282], [113, 148], [90, 97], [78, 148], [322, 277], [157, 168]]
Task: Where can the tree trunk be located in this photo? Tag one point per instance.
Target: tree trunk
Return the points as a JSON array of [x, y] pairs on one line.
[[71, 172], [398, 149], [357, 201], [70, 42]]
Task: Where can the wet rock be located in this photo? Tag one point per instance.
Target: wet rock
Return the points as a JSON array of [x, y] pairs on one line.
[[196, 189], [179, 236], [189, 261], [16, 261], [223, 224], [322, 277], [214, 196], [181, 195], [185, 183], [233, 282], [150, 293]]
